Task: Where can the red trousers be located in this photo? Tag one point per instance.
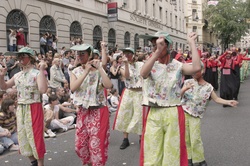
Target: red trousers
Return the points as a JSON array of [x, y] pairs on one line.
[[92, 136]]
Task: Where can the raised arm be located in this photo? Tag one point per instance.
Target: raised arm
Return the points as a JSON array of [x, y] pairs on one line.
[[222, 56], [105, 79], [75, 83], [148, 65], [104, 55], [42, 82], [196, 61]]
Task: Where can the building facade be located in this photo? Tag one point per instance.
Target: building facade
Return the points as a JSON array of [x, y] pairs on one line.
[[88, 20], [195, 22], [193, 15]]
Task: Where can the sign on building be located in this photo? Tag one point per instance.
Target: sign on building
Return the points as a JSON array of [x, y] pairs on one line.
[[112, 12]]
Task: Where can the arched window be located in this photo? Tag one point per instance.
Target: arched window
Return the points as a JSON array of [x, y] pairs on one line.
[[111, 38], [127, 39], [145, 41], [47, 24], [180, 46], [176, 46], [136, 42], [75, 30], [15, 20], [97, 36]]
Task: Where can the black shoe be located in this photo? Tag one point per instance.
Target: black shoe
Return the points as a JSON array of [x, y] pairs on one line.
[[190, 163], [34, 163], [203, 163], [124, 144], [225, 105]]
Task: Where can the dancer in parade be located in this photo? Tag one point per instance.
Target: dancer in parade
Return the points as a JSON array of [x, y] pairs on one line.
[[30, 83], [196, 94], [229, 83], [163, 140], [92, 127], [129, 114], [211, 71]]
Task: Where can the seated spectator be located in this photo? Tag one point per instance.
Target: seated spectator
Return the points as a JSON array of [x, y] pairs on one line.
[[66, 88], [63, 124], [60, 93], [8, 118], [69, 104], [5, 141], [48, 117], [46, 96], [3, 95], [12, 93], [113, 100]]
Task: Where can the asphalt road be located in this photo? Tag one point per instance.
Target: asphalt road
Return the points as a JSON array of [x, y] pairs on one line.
[[225, 134]]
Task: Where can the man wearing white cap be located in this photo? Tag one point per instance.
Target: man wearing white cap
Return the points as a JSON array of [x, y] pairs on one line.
[[20, 39]]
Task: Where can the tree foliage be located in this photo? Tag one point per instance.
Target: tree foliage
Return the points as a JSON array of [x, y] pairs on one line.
[[227, 20]]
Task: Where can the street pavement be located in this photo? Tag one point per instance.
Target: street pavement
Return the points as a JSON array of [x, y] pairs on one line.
[[225, 134]]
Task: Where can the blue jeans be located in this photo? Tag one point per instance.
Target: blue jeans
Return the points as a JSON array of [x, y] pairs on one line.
[[5, 142], [14, 138], [12, 48], [1, 149]]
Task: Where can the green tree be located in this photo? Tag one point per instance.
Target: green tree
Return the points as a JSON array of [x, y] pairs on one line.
[[227, 20]]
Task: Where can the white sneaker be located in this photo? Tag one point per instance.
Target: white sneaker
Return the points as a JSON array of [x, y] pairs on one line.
[[73, 126], [65, 129], [51, 134], [14, 147], [46, 135]]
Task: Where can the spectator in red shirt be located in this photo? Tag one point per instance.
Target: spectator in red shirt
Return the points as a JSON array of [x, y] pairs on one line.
[[20, 39]]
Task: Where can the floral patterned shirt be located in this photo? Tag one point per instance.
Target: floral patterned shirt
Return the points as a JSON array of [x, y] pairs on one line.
[[196, 99], [163, 86], [27, 88], [91, 91], [134, 80]]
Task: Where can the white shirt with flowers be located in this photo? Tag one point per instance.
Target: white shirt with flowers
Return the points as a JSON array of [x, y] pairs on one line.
[[163, 86], [196, 99], [91, 91], [134, 80], [27, 88]]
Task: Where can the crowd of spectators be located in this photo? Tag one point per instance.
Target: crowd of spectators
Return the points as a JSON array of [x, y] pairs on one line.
[[59, 111]]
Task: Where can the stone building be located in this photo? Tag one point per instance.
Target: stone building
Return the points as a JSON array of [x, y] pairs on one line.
[[195, 22], [88, 19]]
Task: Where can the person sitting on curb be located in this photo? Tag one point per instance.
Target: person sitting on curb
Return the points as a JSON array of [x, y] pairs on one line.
[[113, 100], [63, 124], [6, 142]]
